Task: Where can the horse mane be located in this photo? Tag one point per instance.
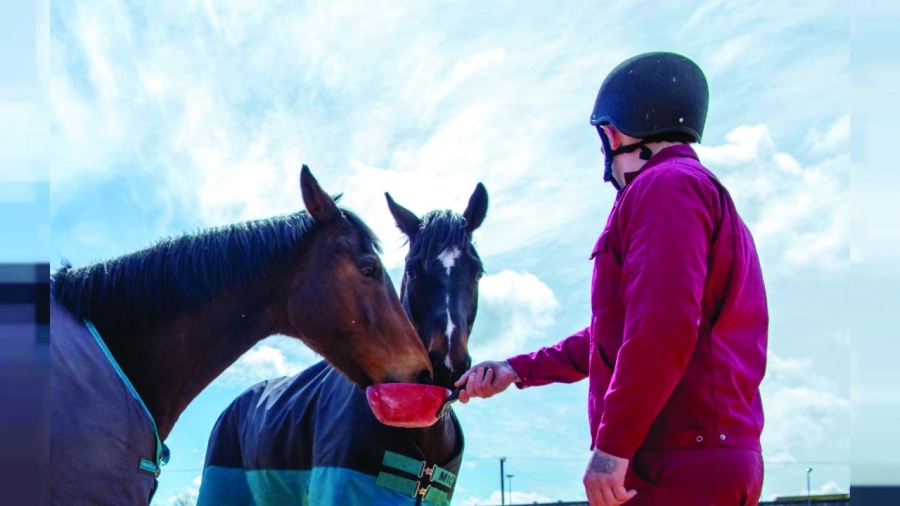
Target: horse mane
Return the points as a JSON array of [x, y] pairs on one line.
[[179, 274], [446, 229]]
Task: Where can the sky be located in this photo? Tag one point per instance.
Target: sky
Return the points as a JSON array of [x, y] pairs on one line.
[[24, 176], [169, 117]]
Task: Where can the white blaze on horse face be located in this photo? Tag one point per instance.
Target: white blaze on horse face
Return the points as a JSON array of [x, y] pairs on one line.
[[449, 333], [448, 259]]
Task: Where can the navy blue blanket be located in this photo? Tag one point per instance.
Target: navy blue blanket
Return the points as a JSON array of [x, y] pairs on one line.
[[312, 439], [103, 446]]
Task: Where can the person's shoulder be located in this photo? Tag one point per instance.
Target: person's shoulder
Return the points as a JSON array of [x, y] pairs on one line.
[[673, 183]]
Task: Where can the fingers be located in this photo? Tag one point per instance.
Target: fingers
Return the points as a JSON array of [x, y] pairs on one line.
[[594, 497], [473, 387], [478, 384], [621, 495], [468, 393], [483, 387], [462, 379], [463, 394], [609, 498]]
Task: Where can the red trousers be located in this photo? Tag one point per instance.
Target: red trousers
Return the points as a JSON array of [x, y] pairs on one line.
[[702, 477]]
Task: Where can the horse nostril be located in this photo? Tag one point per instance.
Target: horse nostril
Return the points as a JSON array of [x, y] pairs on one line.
[[424, 377]]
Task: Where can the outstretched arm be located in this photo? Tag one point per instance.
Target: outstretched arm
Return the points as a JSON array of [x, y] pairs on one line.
[[565, 362]]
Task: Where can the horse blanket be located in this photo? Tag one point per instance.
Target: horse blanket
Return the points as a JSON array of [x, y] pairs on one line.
[[311, 439], [104, 448]]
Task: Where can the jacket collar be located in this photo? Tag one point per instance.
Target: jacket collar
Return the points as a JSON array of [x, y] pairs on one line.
[[664, 154]]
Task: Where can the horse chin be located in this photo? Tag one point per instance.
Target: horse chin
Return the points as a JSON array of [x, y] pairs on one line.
[[445, 376], [355, 374], [458, 370]]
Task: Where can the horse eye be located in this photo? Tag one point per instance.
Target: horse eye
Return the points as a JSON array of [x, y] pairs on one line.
[[368, 270], [410, 274]]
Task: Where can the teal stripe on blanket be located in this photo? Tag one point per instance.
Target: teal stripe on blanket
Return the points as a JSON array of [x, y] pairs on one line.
[[323, 486], [225, 486]]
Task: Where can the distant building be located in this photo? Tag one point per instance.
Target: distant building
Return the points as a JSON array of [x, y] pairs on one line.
[[817, 500]]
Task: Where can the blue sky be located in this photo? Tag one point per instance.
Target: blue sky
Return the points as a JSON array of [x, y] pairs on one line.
[[24, 176], [173, 116]]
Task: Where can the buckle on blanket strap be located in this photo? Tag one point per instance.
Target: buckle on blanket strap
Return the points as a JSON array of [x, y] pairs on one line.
[[412, 488], [417, 468]]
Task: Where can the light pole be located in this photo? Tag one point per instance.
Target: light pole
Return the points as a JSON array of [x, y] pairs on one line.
[[502, 496], [510, 477], [808, 496]]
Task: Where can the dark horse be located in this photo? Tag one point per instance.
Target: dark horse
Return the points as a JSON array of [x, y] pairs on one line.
[[175, 316], [312, 438]]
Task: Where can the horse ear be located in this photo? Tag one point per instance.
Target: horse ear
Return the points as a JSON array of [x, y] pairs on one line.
[[407, 221], [318, 203], [477, 208]]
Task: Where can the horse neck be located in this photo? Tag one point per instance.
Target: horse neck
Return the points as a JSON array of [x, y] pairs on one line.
[[439, 442], [171, 363]]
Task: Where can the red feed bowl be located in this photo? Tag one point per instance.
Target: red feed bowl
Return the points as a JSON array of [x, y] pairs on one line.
[[406, 404]]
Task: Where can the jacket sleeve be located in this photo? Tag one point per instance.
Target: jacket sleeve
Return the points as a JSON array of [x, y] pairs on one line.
[[666, 229], [565, 362]]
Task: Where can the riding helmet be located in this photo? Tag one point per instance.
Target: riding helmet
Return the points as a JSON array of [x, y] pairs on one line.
[[654, 93], [650, 95]]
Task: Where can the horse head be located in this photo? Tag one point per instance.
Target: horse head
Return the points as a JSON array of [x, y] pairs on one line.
[[342, 302], [439, 290]]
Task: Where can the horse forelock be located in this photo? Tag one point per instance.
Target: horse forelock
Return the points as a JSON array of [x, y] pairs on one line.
[[440, 231], [366, 235]]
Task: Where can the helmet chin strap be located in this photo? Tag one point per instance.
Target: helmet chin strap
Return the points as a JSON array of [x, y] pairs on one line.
[[609, 154]]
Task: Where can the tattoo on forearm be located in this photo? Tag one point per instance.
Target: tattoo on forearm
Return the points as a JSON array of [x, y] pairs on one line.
[[602, 464]]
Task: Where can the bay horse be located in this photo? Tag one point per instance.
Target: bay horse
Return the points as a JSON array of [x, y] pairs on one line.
[[312, 438], [136, 338]]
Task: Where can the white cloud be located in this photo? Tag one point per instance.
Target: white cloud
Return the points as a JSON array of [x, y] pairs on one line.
[[419, 191], [513, 308], [780, 457], [225, 126], [464, 69], [271, 358], [729, 54], [517, 498], [799, 215], [186, 497], [827, 488], [830, 487], [835, 139], [802, 409]]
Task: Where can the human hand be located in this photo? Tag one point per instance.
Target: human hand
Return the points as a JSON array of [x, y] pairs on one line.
[[604, 480], [486, 380]]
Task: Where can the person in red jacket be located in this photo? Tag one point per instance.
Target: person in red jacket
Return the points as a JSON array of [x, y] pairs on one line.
[[676, 347]]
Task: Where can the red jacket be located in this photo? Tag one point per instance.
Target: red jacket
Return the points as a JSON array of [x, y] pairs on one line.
[[676, 348]]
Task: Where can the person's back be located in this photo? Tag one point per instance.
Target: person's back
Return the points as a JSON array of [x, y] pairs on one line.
[[732, 335], [679, 321]]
